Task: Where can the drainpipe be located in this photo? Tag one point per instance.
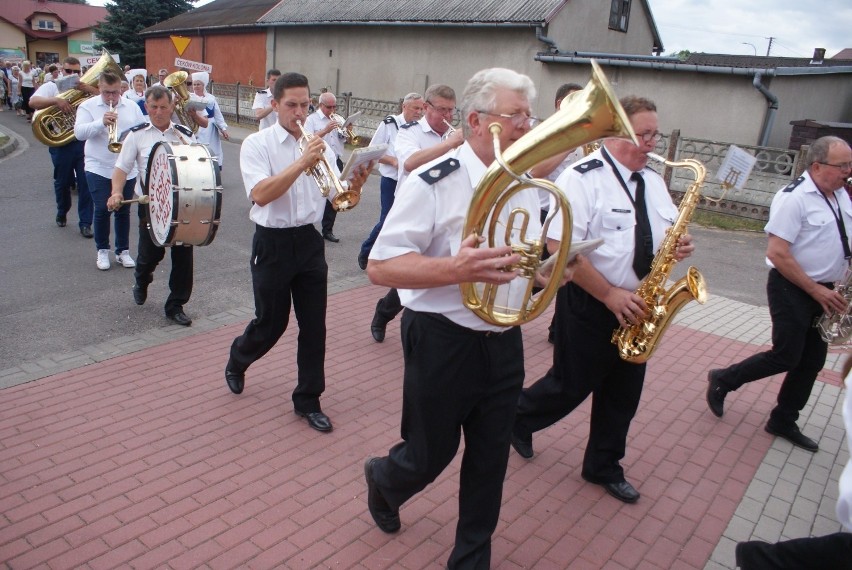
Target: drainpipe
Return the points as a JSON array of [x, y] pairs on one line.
[[769, 119], [551, 44]]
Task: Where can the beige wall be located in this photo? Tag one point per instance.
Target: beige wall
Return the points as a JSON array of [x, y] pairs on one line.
[[817, 97], [583, 25], [11, 37]]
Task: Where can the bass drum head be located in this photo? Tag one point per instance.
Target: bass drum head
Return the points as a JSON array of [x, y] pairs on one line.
[[159, 186]]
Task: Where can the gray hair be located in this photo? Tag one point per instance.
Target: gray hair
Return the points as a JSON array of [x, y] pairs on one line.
[[818, 152], [325, 97], [411, 97], [439, 90], [480, 94]]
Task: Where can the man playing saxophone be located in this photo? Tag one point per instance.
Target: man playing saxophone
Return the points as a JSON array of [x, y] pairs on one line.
[[808, 250], [68, 159], [615, 197], [97, 119]]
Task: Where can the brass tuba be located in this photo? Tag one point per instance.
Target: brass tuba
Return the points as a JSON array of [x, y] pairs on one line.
[[323, 174], [583, 116], [52, 126], [177, 83], [636, 343]]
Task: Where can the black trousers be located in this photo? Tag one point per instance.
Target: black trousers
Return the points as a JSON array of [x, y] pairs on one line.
[[797, 349], [329, 215], [150, 255], [586, 362], [288, 264], [389, 306], [456, 380], [831, 552]]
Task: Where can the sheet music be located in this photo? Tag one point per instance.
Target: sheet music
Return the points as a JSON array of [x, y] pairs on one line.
[[735, 168]]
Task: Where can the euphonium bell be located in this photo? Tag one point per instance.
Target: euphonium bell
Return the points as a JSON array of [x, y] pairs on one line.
[[583, 116], [323, 174], [177, 83]]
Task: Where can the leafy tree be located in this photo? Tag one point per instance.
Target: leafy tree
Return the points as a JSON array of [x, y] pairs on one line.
[[119, 32], [682, 55]]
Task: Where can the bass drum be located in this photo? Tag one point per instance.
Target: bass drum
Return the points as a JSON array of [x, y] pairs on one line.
[[184, 190]]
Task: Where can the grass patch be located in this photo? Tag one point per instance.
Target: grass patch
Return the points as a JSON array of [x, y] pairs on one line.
[[726, 222]]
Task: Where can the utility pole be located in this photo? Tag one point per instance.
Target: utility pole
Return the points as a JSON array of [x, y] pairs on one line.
[[769, 47]]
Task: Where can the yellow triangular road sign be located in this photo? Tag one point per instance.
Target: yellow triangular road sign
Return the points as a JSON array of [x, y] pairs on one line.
[[181, 43]]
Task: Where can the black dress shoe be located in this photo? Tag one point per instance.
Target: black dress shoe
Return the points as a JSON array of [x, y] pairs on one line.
[[622, 490], [317, 420], [521, 444], [378, 327], [86, 231], [140, 293], [794, 436], [61, 221], [362, 261], [180, 318], [330, 237], [236, 380], [716, 393], [387, 519]]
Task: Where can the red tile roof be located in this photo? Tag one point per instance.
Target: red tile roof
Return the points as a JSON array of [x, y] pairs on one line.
[[76, 17]]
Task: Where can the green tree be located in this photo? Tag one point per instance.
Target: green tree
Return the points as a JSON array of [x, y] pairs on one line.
[[682, 55], [119, 32]]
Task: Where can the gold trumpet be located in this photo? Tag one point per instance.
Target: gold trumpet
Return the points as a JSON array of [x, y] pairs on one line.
[[112, 131], [323, 174], [585, 116], [347, 132]]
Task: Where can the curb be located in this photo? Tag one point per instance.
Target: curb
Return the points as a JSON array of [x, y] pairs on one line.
[[9, 145]]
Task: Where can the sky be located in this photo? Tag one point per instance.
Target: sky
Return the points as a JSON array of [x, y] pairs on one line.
[[733, 27], [743, 27]]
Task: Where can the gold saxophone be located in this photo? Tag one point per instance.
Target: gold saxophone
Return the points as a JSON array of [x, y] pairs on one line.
[[54, 127], [583, 116], [636, 343], [836, 328]]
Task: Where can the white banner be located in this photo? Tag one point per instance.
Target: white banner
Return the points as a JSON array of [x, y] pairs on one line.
[[89, 61], [193, 65]]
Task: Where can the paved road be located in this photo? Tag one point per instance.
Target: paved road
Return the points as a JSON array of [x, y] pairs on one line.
[[54, 299]]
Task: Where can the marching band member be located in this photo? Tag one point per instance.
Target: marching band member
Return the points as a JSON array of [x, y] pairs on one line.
[[321, 124], [95, 117], [288, 254], [134, 155], [262, 106]]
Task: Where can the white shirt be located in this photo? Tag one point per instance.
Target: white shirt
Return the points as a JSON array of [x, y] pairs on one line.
[[428, 219], [138, 145], [574, 156], [133, 96], [410, 139], [601, 209], [262, 100], [844, 500], [386, 134], [316, 122], [48, 89], [89, 127], [268, 152], [800, 215]]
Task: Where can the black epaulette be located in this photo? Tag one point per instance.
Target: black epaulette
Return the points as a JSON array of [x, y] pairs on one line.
[[408, 125], [792, 185], [184, 129], [390, 120], [585, 167], [259, 91], [139, 127], [440, 170]]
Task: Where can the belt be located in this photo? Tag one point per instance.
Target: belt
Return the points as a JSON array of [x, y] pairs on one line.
[[280, 231]]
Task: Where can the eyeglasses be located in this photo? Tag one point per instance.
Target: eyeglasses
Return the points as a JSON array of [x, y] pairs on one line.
[[841, 166], [656, 136], [518, 120], [66, 70], [329, 106], [442, 110]]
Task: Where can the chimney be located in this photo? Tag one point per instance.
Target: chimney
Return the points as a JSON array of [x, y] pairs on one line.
[[819, 56]]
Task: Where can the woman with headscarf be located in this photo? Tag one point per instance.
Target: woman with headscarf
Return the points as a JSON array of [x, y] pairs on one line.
[[209, 135]]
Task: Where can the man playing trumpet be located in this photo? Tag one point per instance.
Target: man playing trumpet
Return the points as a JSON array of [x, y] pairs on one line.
[[100, 121]]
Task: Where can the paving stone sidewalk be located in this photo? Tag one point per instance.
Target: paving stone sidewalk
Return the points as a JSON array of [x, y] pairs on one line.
[[136, 455]]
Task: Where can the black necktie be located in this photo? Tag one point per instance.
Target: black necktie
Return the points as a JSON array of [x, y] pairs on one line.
[[643, 254]]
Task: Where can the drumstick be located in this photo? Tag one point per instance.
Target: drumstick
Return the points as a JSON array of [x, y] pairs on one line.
[[143, 200]]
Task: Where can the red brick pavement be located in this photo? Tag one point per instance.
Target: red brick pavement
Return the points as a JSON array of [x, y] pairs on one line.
[[147, 460]]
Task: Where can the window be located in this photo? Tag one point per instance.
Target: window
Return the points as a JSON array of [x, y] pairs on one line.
[[619, 15], [45, 24]]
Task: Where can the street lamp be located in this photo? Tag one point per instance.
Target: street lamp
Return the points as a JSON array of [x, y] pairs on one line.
[[752, 47]]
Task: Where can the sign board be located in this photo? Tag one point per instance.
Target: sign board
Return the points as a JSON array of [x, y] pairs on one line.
[[193, 65], [90, 61], [180, 43]]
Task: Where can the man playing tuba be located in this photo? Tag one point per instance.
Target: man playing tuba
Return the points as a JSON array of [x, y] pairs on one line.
[[460, 372], [68, 160]]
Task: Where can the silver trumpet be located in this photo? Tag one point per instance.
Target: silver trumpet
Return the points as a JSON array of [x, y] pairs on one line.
[[450, 130]]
